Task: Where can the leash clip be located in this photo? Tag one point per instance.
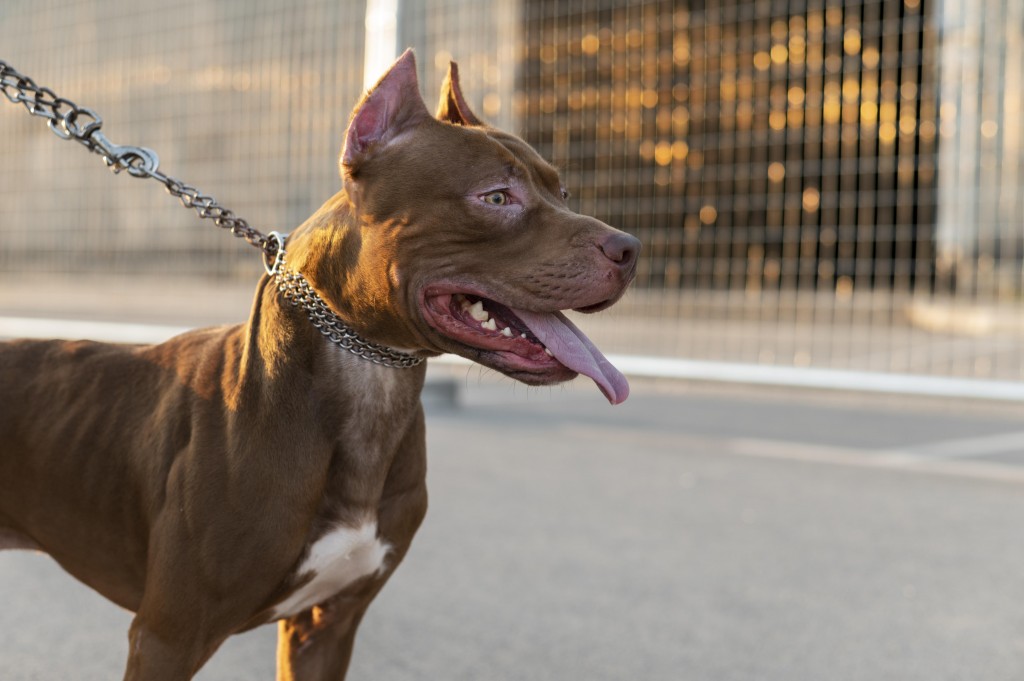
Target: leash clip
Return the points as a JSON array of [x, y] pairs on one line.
[[138, 161], [273, 253]]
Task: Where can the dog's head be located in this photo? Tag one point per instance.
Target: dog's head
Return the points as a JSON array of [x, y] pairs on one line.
[[459, 239]]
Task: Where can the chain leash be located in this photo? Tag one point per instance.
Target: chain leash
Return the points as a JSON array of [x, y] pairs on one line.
[[69, 121]]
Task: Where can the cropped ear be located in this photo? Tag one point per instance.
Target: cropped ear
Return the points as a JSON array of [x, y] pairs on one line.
[[389, 108], [453, 107]]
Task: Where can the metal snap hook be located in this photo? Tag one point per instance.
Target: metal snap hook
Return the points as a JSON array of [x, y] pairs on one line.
[[138, 161], [273, 253]]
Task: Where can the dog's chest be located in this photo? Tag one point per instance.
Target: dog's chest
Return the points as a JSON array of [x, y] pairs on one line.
[[378, 398], [336, 560]]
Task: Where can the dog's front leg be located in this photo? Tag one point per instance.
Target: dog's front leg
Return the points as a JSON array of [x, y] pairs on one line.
[[158, 657], [316, 645]]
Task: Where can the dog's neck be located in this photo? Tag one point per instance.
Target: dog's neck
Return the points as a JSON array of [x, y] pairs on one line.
[[342, 285], [279, 346], [340, 253], [298, 291]]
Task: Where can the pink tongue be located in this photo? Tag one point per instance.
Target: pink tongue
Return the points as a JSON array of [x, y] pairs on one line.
[[573, 349]]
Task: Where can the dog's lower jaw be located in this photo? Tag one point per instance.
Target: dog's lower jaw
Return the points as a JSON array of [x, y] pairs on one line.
[[537, 348], [506, 346], [544, 371]]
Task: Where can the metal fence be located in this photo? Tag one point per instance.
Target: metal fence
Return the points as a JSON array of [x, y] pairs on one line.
[[818, 183]]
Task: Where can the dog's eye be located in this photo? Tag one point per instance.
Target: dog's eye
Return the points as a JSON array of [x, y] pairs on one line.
[[495, 198], [565, 194]]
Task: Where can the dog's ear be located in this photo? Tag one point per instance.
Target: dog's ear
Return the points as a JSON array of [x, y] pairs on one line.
[[453, 107], [389, 108]]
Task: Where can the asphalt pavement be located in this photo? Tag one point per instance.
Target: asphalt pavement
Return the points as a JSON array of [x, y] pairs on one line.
[[691, 533]]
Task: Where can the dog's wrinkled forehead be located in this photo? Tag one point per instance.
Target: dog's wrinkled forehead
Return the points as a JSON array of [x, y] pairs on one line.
[[528, 161], [482, 156]]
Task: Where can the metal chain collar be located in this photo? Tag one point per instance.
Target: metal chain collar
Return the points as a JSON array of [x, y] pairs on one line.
[[296, 290], [69, 121]]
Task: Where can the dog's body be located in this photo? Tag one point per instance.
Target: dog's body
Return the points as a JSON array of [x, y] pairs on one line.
[[236, 476]]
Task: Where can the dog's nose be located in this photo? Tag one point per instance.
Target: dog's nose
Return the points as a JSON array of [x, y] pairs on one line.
[[621, 248]]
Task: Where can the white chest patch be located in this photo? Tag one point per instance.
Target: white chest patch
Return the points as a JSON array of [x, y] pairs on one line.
[[337, 559]]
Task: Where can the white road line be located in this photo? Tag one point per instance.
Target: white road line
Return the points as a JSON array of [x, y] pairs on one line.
[[631, 365], [110, 332], [1000, 443], [828, 379], [819, 379]]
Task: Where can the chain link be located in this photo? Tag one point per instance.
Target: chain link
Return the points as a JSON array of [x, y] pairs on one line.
[[296, 290], [69, 121]]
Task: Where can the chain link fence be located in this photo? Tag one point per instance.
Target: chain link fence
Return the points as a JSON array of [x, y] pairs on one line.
[[817, 183]]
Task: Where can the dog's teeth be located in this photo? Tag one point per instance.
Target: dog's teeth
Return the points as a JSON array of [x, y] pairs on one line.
[[477, 311], [522, 335], [507, 332], [548, 352], [490, 325]]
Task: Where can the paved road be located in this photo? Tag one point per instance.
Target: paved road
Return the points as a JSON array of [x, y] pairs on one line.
[[704, 535]]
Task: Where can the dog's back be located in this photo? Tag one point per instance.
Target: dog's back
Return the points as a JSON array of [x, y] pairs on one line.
[[84, 423]]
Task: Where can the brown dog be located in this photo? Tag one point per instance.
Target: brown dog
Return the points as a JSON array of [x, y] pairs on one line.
[[235, 476]]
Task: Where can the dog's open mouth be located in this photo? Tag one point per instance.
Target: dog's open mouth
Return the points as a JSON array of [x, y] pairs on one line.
[[536, 347]]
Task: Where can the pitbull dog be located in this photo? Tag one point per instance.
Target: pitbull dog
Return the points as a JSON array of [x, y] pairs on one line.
[[265, 472]]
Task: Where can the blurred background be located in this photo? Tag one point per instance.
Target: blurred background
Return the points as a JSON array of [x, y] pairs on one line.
[[817, 183]]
